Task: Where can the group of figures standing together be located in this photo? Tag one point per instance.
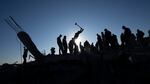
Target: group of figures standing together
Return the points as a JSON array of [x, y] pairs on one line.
[[105, 40], [73, 47]]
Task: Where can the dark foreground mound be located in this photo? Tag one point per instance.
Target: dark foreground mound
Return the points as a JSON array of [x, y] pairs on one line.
[[80, 69]]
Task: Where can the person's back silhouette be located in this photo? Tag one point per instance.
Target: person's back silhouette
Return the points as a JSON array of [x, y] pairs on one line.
[[140, 37], [114, 42], [81, 48], [127, 36], [107, 38], [92, 48], [65, 45], [99, 43], [122, 40], [87, 47], [25, 55], [59, 42], [76, 50], [71, 43]]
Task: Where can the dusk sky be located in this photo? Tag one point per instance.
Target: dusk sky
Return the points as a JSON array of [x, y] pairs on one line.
[[44, 20]]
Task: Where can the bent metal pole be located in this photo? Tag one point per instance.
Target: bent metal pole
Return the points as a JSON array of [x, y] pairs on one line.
[[24, 38]]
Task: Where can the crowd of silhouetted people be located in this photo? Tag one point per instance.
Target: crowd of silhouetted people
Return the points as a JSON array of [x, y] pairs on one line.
[[105, 40], [72, 46], [91, 66]]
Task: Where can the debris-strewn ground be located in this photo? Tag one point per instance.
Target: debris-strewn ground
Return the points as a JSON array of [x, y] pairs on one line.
[[126, 68]]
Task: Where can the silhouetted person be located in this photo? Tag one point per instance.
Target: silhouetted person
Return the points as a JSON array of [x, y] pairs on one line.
[[114, 42], [92, 48], [140, 37], [76, 50], [127, 36], [127, 31], [65, 45], [25, 55], [52, 51], [122, 38], [71, 44], [81, 48], [103, 39], [99, 43], [133, 42], [77, 33], [60, 45], [73, 48], [107, 38], [87, 46]]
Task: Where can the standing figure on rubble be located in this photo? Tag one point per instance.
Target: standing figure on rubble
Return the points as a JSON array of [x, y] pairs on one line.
[[122, 40], [114, 42], [107, 38], [71, 45], [81, 48], [76, 49], [60, 45], [103, 39], [99, 43], [127, 36], [92, 49], [25, 54], [140, 37], [87, 47], [65, 45]]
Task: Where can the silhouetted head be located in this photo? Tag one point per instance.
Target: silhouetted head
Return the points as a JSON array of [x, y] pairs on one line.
[[52, 49], [60, 35], [123, 27], [75, 23], [98, 35], [64, 37], [73, 39], [105, 30], [86, 43], [114, 35]]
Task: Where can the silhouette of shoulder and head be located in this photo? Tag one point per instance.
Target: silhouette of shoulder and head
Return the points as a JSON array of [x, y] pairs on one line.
[[52, 51], [126, 30]]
